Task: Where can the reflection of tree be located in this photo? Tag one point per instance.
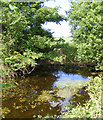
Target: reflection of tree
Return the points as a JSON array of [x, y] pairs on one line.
[[39, 81], [31, 93], [45, 96], [75, 69], [66, 89], [46, 108], [80, 97], [35, 93]]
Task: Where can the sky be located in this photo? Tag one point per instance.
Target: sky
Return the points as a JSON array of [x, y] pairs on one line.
[[64, 78], [62, 30]]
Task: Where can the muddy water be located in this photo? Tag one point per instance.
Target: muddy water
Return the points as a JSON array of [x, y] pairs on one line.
[[46, 91]]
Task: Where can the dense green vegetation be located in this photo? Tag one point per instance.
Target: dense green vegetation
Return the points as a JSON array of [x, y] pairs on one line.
[[85, 18], [25, 44], [24, 41], [69, 49]]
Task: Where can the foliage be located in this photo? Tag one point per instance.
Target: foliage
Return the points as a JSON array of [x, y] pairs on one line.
[[8, 84], [86, 22], [92, 109], [24, 41], [4, 112], [68, 48], [6, 71]]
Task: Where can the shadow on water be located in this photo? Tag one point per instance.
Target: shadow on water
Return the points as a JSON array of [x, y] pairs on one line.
[[46, 91]]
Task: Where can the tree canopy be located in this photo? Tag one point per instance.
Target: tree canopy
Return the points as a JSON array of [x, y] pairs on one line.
[[24, 41], [85, 18]]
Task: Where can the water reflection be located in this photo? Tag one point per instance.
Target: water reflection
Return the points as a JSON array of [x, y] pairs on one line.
[[63, 77], [43, 92], [67, 85]]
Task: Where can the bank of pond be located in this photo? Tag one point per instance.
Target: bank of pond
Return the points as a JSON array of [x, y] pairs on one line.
[[51, 91]]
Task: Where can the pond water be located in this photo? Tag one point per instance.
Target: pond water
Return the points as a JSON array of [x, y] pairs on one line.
[[46, 91]]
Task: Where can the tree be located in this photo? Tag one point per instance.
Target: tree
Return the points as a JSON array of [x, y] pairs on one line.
[[24, 40], [85, 18]]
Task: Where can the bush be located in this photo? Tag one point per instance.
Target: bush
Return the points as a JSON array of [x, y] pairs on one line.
[[86, 22]]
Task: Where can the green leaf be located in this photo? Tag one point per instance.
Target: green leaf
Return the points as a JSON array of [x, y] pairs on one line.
[[12, 7], [15, 21]]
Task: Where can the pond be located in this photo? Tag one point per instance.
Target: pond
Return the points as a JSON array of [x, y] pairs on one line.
[[46, 91]]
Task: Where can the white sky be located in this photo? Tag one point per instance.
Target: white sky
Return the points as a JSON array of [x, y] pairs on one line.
[[62, 30]]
